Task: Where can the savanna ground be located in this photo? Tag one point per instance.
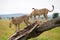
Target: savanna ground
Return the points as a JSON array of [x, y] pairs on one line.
[[6, 32]]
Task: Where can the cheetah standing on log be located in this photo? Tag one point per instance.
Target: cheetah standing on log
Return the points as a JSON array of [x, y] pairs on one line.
[[38, 12], [18, 20]]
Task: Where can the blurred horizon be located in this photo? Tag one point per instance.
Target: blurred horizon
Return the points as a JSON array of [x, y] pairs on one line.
[[25, 6]]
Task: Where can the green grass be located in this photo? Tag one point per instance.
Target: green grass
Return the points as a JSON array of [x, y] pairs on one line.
[[6, 32]]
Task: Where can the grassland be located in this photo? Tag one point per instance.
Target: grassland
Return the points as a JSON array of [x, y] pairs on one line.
[[6, 32]]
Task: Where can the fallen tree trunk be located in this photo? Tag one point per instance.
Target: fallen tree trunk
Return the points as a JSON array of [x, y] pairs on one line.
[[38, 30], [45, 27]]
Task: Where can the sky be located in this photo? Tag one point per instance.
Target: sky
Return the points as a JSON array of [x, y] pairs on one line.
[[25, 6]]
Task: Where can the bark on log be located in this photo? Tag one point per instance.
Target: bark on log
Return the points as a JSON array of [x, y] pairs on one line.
[[42, 28]]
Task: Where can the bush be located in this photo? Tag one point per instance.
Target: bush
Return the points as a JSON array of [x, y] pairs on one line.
[[0, 18], [55, 15]]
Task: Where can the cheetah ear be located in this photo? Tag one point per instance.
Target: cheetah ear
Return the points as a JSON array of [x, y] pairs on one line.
[[28, 16], [33, 8]]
